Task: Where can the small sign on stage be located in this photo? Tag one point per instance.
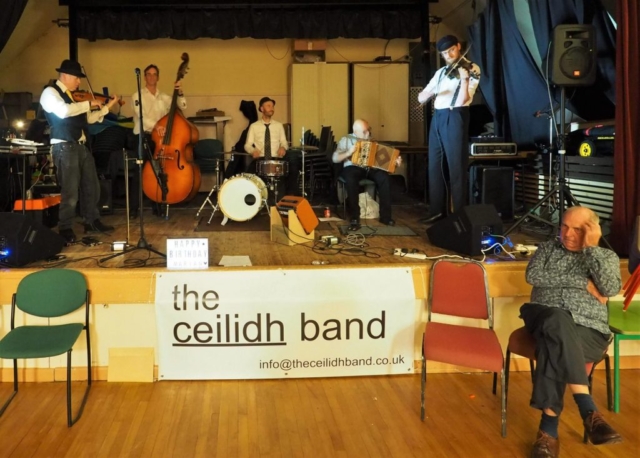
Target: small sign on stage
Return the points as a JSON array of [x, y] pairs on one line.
[[188, 253]]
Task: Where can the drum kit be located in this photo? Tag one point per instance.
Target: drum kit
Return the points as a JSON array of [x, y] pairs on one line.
[[242, 196]]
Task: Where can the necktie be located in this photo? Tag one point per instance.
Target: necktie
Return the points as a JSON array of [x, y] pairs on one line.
[[267, 142], [70, 95]]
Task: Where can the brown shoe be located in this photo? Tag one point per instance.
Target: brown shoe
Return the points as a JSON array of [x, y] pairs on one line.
[[545, 446], [599, 431]]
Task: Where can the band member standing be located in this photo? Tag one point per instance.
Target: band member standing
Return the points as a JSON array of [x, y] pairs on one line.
[[352, 174], [155, 106], [453, 87], [75, 167], [266, 140]]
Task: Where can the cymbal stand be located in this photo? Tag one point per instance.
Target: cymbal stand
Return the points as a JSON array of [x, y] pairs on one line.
[[216, 189], [304, 190]]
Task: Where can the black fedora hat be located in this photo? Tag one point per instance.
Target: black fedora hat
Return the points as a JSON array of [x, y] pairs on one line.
[[446, 42], [71, 67], [264, 100]]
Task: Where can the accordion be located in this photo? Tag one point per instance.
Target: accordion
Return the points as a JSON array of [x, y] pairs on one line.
[[374, 154]]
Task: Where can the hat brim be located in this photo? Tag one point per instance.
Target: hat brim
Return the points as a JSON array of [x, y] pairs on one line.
[[71, 72]]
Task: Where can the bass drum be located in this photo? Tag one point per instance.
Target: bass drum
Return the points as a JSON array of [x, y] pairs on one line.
[[242, 197]]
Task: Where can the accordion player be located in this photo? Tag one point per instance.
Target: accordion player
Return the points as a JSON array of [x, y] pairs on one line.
[[377, 155]]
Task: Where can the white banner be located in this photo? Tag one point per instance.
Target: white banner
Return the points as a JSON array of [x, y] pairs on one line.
[[285, 323]]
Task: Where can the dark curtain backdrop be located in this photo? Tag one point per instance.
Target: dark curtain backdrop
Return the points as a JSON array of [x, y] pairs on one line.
[[626, 197], [11, 11], [402, 21], [512, 66]]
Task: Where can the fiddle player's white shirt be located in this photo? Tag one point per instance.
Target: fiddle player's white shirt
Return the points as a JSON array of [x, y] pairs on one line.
[[52, 103], [255, 137], [154, 107], [445, 87]]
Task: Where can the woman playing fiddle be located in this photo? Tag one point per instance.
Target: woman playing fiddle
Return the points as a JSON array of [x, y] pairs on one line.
[[449, 131]]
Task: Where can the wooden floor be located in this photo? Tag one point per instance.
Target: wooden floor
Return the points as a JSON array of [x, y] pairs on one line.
[[256, 244], [332, 417]]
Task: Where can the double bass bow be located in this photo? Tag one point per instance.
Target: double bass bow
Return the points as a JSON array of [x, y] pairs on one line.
[[171, 176]]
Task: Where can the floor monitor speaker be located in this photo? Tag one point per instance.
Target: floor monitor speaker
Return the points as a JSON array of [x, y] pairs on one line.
[[23, 240], [468, 230]]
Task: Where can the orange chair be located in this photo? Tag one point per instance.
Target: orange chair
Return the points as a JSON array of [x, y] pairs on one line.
[[459, 288], [522, 343], [630, 287]]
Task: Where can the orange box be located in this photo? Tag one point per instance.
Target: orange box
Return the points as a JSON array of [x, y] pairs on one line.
[[309, 45], [44, 211]]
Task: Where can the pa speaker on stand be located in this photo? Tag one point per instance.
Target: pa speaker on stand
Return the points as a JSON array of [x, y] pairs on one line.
[[573, 58]]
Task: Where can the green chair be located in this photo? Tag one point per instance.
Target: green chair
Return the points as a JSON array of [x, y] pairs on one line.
[[48, 294]]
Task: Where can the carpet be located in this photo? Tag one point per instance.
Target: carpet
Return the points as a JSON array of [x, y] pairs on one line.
[[379, 230]]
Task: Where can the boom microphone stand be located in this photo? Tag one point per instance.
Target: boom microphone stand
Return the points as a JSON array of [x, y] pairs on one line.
[[561, 187], [142, 242]]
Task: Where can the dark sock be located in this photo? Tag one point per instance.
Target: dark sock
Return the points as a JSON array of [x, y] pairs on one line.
[[585, 404], [549, 425]]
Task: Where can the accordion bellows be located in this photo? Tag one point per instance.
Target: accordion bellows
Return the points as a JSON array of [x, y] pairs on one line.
[[374, 154]]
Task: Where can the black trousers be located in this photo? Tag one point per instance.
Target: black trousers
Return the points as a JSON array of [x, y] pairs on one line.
[[562, 350], [448, 138], [352, 175]]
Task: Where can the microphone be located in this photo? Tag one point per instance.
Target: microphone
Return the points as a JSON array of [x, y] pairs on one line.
[[137, 71]]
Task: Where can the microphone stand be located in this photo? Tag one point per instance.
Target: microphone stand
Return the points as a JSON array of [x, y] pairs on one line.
[[142, 242]]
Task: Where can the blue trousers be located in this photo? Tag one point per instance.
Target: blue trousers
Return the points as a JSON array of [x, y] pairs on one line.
[[78, 180], [448, 139]]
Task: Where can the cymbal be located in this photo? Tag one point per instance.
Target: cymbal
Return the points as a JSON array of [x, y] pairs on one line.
[[306, 148]]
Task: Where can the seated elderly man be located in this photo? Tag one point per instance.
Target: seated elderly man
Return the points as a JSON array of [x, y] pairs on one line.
[[352, 174], [572, 279]]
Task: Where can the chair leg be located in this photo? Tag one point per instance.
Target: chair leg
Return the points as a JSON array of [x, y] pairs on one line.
[[71, 421], [503, 391], [15, 388], [495, 382], [423, 382], [505, 386], [607, 369]]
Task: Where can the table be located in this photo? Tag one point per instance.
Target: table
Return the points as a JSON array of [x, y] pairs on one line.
[[219, 122], [22, 151], [625, 326]]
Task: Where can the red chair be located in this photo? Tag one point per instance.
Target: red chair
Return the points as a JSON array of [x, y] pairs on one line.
[[459, 288], [522, 343], [630, 287]]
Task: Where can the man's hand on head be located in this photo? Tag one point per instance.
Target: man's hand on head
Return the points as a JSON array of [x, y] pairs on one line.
[[592, 234]]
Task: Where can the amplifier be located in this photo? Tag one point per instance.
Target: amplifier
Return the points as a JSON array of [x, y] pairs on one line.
[[493, 149]]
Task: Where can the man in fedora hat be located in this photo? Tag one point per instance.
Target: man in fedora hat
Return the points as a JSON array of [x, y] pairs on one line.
[[266, 140], [453, 87], [76, 169]]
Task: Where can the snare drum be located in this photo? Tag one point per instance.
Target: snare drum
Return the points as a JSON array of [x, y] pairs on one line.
[[272, 168], [242, 196]]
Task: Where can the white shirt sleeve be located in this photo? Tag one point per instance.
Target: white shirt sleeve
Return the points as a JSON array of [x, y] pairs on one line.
[[248, 145], [52, 103]]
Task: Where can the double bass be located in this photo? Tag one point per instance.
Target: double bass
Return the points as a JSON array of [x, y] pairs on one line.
[[171, 176]]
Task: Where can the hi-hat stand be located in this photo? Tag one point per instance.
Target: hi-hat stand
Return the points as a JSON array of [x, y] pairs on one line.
[[561, 188], [142, 242]]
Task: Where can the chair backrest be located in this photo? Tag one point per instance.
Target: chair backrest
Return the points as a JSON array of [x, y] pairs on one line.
[[459, 288], [208, 148], [51, 292]]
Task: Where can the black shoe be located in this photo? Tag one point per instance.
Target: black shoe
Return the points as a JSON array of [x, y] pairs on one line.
[[388, 222], [354, 225], [67, 235], [431, 219], [97, 226]]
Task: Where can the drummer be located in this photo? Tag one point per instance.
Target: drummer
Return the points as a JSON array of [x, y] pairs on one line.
[[266, 140]]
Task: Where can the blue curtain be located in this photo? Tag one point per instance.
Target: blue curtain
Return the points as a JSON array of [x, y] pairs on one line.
[[512, 83]]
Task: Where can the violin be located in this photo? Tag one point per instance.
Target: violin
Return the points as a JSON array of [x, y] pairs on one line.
[[85, 96], [452, 70]]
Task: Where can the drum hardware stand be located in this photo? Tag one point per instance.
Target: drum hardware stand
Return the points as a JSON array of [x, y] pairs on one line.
[[304, 190], [216, 189], [142, 242]]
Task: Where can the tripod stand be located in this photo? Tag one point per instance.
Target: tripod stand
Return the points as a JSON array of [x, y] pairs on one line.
[[561, 187], [142, 242]]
